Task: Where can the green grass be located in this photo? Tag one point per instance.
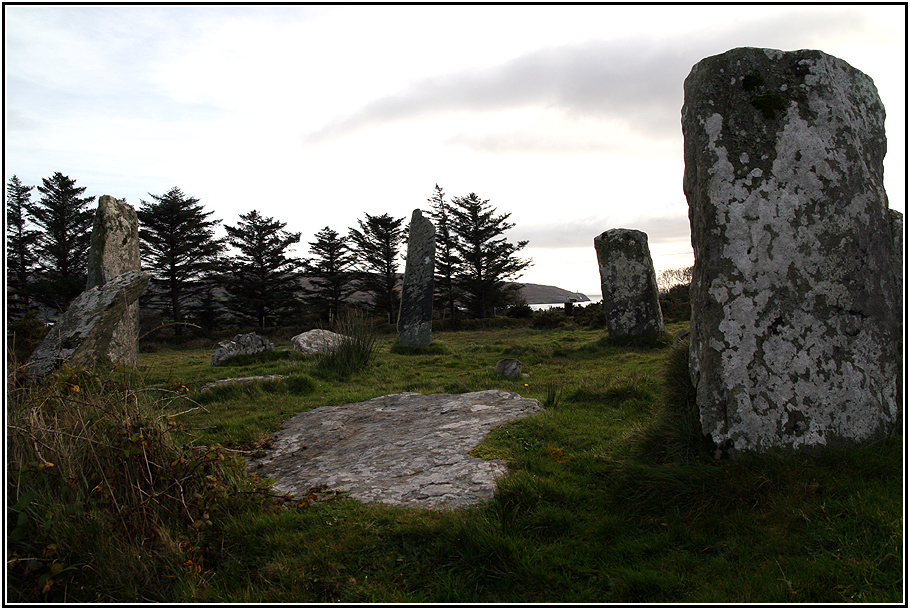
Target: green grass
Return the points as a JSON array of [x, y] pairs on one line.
[[610, 498]]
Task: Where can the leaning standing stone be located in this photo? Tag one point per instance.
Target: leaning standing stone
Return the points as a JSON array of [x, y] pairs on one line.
[[628, 284], [794, 316], [83, 335], [415, 317], [114, 251]]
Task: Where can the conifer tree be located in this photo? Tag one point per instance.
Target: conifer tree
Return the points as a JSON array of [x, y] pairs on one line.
[[376, 245], [447, 261], [21, 244], [488, 259], [262, 280], [65, 220], [329, 274], [179, 248]]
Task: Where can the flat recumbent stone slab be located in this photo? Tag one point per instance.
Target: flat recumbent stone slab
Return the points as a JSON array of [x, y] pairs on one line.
[[402, 449]]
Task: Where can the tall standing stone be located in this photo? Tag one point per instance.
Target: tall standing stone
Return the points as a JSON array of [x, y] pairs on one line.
[[628, 284], [115, 251], [794, 323], [415, 317]]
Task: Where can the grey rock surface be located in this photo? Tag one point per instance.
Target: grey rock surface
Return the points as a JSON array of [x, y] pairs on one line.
[[897, 256], [402, 449], [316, 341], [415, 315], [628, 284], [83, 334], [249, 343], [114, 251], [239, 380], [794, 318], [510, 368]]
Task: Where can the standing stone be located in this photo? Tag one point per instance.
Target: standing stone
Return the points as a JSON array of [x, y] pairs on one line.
[[114, 251], [897, 257], [794, 322], [415, 316], [84, 333], [628, 284]]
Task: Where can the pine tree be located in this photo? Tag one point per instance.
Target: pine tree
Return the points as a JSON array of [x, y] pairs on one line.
[[488, 259], [329, 274], [447, 261], [263, 282], [179, 248], [62, 249], [376, 245], [21, 244]]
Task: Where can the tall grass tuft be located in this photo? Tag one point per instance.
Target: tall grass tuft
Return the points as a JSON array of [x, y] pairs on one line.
[[106, 504], [356, 350]]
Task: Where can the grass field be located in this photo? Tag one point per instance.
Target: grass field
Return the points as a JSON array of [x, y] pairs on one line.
[[610, 497]]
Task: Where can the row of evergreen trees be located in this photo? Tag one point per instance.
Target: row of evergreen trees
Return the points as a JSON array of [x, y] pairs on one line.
[[249, 274]]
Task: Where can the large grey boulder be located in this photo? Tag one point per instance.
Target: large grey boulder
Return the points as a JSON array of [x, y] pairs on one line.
[[794, 310], [510, 368], [240, 345], [114, 251], [83, 335], [415, 315], [628, 284], [316, 341]]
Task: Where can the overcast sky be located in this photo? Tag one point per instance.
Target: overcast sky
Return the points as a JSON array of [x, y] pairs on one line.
[[566, 116]]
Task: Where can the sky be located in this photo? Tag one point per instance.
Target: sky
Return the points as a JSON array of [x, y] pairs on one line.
[[565, 116]]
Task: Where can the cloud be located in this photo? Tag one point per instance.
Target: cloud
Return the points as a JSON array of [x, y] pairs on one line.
[[580, 233], [597, 78], [638, 82]]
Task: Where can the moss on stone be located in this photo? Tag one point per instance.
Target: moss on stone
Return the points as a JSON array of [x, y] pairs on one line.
[[769, 104], [752, 80]]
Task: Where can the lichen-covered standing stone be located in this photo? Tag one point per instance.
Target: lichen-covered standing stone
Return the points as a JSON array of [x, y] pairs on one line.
[[794, 323], [628, 284], [415, 316], [114, 251]]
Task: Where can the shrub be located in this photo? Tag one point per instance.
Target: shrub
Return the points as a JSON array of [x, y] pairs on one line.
[[548, 319], [521, 311], [354, 352], [591, 315]]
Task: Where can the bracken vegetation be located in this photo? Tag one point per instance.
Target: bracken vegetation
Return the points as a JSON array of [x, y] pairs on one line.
[[129, 486]]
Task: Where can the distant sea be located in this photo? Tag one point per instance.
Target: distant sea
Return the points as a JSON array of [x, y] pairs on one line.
[[593, 298]]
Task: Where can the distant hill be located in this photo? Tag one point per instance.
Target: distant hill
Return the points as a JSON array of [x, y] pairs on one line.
[[534, 294]]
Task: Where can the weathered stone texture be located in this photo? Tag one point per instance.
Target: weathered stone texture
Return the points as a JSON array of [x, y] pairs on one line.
[[316, 341], [401, 449], [114, 251], [897, 257], [510, 368], [240, 345], [794, 323], [83, 334], [415, 317], [628, 284]]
